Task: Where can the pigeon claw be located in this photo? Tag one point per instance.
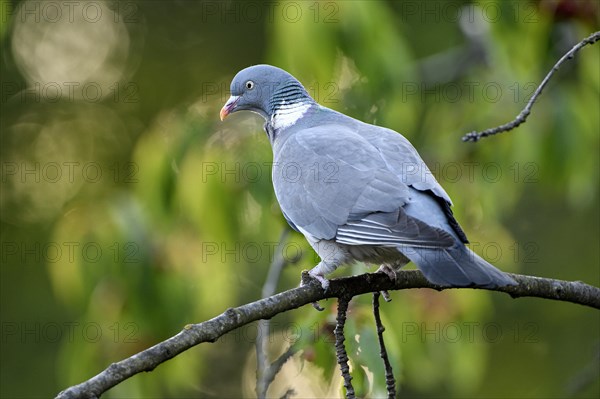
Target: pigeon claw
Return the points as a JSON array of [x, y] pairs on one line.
[[386, 296], [391, 273], [388, 270], [324, 282], [308, 277]]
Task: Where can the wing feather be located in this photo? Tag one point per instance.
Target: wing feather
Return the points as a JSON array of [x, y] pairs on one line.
[[392, 229]]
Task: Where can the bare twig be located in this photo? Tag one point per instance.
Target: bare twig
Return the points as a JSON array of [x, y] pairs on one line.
[[340, 349], [390, 382], [475, 136], [279, 262], [264, 374], [262, 335], [210, 330], [271, 371], [288, 394]]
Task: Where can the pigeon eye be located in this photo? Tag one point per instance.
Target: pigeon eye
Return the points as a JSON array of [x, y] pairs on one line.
[[249, 85]]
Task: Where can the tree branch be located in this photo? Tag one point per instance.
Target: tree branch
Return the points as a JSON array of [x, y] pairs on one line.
[[390, 382], [340, 349], [522, 117], [210, 330]]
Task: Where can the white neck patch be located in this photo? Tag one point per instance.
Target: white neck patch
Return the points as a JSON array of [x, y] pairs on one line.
[[288, 114]]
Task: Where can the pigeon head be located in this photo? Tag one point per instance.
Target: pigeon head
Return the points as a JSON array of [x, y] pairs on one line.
[[270, 92]]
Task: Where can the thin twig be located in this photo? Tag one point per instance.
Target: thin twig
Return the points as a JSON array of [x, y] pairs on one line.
[[522, 117], [275, 367], [262, 335], [279, 262], [340, 349], [265, 373], [390, 382], [210, 330], [288, 394]]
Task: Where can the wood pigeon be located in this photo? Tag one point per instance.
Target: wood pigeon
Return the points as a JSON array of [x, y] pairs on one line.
[[356, 191]]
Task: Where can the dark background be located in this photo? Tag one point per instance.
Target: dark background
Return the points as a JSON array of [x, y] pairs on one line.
[[129, 210]]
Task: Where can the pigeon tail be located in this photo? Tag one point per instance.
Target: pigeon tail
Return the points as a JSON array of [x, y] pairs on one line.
[[457, 266]]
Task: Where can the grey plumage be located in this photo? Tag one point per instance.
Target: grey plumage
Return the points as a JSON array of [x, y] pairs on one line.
[[357, 192]]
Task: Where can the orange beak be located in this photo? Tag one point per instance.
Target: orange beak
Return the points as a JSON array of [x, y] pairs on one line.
[[229, 106]]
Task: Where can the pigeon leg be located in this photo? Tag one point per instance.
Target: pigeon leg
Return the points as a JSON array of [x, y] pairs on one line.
[[332, 255]]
